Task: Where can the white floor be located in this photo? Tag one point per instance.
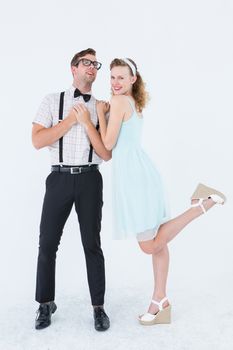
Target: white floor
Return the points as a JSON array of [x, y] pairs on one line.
[[199, 322]]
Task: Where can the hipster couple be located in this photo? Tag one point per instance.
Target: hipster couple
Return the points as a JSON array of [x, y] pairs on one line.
[[80, 133]]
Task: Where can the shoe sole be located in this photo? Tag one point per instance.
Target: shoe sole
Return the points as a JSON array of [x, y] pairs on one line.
[[203, 191], [162, 317]]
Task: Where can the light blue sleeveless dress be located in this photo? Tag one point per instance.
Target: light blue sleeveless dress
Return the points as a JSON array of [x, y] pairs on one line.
[[139, 205]]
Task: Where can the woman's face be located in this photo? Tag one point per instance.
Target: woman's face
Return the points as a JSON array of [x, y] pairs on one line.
[[121, 80]]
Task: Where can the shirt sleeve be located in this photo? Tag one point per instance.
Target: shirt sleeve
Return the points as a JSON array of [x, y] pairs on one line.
[[44, 114]]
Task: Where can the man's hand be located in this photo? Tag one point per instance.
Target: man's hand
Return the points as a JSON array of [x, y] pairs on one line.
[[82, 114], [72, 117]]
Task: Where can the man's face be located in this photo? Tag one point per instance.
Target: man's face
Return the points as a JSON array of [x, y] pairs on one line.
[[83, 73]]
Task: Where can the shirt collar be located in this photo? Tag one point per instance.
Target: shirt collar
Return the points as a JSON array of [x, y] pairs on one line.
[[72, 88]]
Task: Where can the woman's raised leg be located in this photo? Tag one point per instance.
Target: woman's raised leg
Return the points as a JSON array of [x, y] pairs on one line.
[[171, 228]]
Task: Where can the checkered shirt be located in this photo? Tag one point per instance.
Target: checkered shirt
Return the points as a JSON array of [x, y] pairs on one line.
[[76, 144]]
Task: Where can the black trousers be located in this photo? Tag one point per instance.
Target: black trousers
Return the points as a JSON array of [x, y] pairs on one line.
[[62, 190]]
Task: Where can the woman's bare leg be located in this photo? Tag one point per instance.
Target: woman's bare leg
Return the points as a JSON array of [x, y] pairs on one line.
[[160, 267], [170, 229]]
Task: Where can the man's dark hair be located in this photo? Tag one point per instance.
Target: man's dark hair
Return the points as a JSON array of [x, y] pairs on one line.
[[81, 54]]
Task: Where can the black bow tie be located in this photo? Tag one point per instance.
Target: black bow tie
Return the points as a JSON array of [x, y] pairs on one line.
[[78, 93]]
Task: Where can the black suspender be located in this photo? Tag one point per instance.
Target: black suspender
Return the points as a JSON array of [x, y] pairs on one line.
[[61, 106], [91, 147]]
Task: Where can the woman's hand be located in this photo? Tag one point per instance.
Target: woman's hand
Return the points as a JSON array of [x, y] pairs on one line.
[[102, 107], [82, 114]]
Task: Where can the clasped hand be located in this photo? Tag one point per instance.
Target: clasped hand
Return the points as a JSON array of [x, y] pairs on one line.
[[82, 114]]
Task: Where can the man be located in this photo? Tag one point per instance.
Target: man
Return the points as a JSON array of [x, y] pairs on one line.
[[76, 153]]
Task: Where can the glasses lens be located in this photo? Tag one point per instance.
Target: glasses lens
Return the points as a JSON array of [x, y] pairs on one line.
[[97, 65], [86, 62]]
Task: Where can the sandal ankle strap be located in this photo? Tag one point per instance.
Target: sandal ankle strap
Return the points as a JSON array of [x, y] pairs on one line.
[[159, 303], [199, 204]]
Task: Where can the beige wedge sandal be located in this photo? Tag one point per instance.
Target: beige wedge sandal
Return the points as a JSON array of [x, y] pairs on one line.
[[203, 192], [163, 316]]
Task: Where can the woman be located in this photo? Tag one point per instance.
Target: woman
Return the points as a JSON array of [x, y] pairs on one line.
[[138, 196]]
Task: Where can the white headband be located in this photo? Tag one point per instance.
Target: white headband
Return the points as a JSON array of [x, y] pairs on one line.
[[132, 66]]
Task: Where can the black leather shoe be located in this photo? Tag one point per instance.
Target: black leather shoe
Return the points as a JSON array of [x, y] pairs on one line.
[[44, 313], [102, 322]]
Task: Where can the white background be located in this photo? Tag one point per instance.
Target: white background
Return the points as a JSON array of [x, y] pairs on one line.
[[184, 52]]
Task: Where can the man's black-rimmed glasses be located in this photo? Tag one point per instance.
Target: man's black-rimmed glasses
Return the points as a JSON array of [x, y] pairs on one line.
[[86, 62]]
